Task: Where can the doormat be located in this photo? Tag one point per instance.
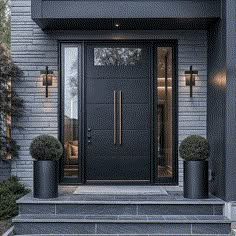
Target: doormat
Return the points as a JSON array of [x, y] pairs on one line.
[[121, 190]]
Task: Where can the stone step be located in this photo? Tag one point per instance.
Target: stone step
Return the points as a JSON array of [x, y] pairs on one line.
[[121, 225], [125, 235], [121, 209], [99, 205]]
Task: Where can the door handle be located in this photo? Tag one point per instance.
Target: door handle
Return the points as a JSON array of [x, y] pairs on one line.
[[120, 125], [114, 117]]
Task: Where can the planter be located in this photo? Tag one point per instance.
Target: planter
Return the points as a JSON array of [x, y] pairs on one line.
[[196, 179], [45, 179]]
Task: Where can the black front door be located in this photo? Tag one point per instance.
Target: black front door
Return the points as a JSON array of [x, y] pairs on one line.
[[118, 112]]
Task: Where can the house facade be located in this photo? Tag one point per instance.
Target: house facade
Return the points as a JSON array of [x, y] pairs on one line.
[[118, 94]]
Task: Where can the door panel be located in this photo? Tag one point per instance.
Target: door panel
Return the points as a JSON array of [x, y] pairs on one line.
[[101, 116], [122, 163], [124, 119], [132, 144], [134, 90]]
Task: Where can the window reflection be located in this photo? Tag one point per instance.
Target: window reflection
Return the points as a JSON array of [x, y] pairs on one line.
[[117, 56], [164, 112], [71, 124]]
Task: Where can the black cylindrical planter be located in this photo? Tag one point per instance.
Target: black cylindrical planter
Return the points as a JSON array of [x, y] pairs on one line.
[[196, 179], [45, 179]]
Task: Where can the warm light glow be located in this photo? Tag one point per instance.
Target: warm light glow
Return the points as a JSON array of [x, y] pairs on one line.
[[50, 77], [220, 80], [162, 87], [161, 82], [187, 79]]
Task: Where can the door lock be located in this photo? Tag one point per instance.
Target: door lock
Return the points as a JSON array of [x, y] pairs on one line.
[[89, 135]]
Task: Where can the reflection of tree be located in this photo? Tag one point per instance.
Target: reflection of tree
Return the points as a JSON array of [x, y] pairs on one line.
[[117, 56], [73, 80], [162, 52], [74, 86]]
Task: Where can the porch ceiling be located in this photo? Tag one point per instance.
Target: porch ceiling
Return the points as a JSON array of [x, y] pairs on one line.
[[129, 14], [126, 24]]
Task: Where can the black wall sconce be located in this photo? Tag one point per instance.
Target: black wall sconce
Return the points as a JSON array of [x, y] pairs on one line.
[[47, 76], [190, 76]]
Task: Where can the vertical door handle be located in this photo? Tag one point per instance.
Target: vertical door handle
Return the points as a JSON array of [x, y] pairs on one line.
[[120, 125], [114, 117]]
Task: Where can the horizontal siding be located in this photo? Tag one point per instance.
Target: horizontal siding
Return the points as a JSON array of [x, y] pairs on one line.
[[33, 49], [5, 170]]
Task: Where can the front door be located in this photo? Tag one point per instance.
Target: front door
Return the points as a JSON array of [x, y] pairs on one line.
[[118, 112]]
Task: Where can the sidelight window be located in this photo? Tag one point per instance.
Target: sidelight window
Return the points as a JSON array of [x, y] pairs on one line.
[[71, 121], [164, 112]]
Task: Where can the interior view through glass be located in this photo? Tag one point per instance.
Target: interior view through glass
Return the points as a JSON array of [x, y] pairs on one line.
[[164, 112], [71, 122]]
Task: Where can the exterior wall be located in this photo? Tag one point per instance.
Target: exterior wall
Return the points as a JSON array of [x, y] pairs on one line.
[[5, 170], [33, 49], [230, 117], [216, 106], [222, 102]]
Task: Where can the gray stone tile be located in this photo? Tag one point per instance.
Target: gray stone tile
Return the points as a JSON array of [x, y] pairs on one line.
[[189, 217], [47, 218], [174, 217], [101, 217], [175, 209], [155, 218], [211, 229], [217, 210], [130, 198], [54, 228], [141, 228], [133, 217], [37, 209], [96, 209], [211, 218]]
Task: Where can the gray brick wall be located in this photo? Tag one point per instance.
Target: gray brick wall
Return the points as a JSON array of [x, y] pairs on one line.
[[5, 170], [33, 49]]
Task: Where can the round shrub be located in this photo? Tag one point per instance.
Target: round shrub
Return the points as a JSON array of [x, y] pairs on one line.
[[194, 148], [46, 147]]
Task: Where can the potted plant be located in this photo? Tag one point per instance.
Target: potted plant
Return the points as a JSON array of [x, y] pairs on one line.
[[195, 150], [46, 151]]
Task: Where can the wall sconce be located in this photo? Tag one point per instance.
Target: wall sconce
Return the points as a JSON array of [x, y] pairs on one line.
[[190, 76], [47, 76]]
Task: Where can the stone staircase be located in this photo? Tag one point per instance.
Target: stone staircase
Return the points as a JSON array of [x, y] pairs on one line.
[[121, 215]]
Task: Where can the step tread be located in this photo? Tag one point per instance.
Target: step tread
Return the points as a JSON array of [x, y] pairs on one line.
[[120, 199], [122, 218], [125, 235]]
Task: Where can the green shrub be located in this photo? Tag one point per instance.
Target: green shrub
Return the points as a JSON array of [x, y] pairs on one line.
[[194, 148], [8, 206], [10, 191], [15, 187], [46, 147]]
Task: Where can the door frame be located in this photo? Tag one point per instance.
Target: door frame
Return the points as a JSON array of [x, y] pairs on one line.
[[80, 179]]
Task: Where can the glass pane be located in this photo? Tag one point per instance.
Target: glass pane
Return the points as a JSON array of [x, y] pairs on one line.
[[71, 122], [164, 112], [117, 56]]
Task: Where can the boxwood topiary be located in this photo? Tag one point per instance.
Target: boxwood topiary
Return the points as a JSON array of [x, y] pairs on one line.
[[46, 147], [194, 148]]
